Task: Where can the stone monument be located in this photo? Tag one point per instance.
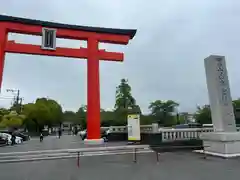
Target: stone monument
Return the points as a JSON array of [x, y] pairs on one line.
[[225, 140]]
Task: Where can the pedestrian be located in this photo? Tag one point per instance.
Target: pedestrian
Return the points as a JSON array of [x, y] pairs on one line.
[[13, 139], [59, 133], [75, 130], [41, 137]]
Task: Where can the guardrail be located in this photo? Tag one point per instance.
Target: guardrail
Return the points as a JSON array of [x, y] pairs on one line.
[[13, 157]]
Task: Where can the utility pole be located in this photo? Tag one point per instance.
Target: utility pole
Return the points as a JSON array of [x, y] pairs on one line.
[[20, 105], [17, 100]]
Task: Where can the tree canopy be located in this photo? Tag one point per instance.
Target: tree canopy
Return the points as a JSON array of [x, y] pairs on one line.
[[12, 120], [163, 111], [203, 114], [44, 111], [125, 103]]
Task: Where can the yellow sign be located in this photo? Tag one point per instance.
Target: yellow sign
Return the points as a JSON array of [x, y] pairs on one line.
[[134, 127], [133, 116]]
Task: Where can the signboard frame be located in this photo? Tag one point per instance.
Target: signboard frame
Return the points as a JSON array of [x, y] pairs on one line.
[[134, 133]]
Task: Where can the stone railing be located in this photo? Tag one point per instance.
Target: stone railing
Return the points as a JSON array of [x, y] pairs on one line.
[[183, 134], [168, 134]]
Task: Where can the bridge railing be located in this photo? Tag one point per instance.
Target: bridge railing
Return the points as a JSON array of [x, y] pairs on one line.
[[168, 134], [183, 134]]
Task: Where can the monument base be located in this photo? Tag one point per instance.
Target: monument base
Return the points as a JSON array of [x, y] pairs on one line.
[[93, 141], [223, 144]]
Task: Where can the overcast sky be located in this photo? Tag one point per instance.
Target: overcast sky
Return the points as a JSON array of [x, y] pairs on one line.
[[164, 61]]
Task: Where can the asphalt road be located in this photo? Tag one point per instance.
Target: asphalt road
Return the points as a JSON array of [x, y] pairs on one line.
[[51, 143], [174, 166]]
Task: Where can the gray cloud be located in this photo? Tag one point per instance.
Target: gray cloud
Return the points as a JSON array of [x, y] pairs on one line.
[[164, 60]]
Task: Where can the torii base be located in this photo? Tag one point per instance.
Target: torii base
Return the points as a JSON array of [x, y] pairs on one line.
[[93, 141]]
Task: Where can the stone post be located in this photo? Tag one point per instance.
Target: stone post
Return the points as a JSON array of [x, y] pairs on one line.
[[224, 141]]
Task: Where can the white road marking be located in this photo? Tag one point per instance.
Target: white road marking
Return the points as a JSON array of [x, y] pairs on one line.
[[65, 156], [91, 149]]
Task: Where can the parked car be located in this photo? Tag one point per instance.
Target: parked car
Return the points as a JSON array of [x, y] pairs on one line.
[[104, 134], [3, 142], [8, 138], [25, 137]]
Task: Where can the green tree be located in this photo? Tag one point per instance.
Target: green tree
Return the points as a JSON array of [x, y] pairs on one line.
[[163, 111], [124, 98], [82, 116], [30, 110], [107, 118], [147, 119], [181, 118], [236, 106], [56, 112], [125, 103], [37, 115], [3, 111], [236, 103], [70, 116], [203, 115], [42, 112], [12, 120]]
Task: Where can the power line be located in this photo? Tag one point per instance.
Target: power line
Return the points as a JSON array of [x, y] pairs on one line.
[[6, 97], [17, 100]]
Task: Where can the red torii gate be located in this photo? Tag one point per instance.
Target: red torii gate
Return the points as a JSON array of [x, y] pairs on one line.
[[51, 31]]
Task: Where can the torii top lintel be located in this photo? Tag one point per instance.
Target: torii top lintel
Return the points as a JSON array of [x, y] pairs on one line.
[[91, 34], [130, 33]]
